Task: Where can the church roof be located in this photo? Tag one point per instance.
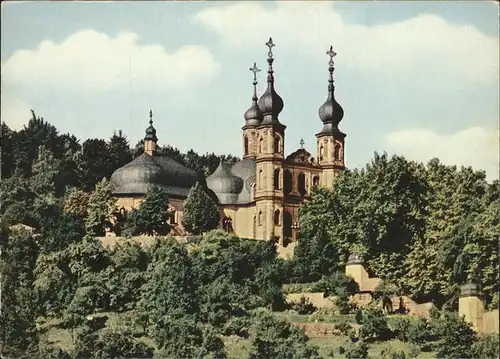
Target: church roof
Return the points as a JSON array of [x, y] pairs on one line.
[[146, 171]]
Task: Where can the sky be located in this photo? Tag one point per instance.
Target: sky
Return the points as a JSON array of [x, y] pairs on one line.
[[419, 79]]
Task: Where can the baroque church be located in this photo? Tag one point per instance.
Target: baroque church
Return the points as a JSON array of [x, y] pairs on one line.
[[259, 197]]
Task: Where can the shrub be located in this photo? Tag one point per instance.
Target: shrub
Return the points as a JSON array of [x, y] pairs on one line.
[[345, 328], [304, 306], [373, 324], [357, 351], [487, 346], [457, 338], [399, 327]]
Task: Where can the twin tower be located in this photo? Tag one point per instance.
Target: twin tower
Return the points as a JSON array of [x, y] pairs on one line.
[[283, 183]]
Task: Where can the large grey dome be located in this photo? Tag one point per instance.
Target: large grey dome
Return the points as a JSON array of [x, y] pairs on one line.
[[136, 177], [225, 185]]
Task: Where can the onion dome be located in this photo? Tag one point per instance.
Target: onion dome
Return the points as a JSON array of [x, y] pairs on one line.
[[253, 116], [331, 113], [224, 184], [151, 131], [270, 103]]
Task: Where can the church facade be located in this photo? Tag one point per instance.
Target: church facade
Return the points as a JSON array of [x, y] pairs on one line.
[[259, 197]]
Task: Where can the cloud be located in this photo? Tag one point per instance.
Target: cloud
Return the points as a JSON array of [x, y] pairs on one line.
[[89, 60], [475, 146], [427, 41], [15, 113]]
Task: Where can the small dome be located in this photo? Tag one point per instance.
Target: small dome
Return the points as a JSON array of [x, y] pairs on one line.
[[224, 184], [270, 104], [331, 111], [150, 131], [253, 116]]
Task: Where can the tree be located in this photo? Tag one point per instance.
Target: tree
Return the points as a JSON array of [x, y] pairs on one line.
[[119, 150], [45, 176], [278, 339], [94, 162], [152, 216], [76, 202], [201, 213], [19, 310], [101, 207]]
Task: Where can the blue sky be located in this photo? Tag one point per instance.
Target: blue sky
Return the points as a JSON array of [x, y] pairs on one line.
[[415, 78]]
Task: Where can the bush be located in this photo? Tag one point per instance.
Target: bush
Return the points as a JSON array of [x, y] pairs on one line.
[[400, 327], [487, 346], [357, 351], [373, 325], [304, 306], [345, 328], [457, 338]]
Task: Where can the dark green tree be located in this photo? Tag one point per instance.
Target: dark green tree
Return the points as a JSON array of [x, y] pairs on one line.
[[201, 213], [19, 308], [278, 339], [102, 206], [152, 216], [120, 151]]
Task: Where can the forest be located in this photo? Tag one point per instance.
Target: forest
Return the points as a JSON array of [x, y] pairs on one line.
[[425, 229]]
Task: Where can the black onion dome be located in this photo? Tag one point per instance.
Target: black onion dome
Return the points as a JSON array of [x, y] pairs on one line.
[[224, 184], [270, 103], [136, 177], [253, 116], [151, 131], [245, 169], [331, 113]]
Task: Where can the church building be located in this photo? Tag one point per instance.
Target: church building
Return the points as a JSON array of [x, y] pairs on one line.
[[259, 197]]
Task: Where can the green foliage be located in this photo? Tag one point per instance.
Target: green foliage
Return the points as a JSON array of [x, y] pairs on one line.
[[341, 287], [19, 310], [304, 306], [152, 217], [373, 324], [76, 202], [457, 338], [279, 339], [129, 263], [101, 207], [109, 344], [487, 346], [201, 213], [357, 351]]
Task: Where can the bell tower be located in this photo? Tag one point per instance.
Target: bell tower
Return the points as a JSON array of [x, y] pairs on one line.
[[330, 141], [269, 159], [150, 140]]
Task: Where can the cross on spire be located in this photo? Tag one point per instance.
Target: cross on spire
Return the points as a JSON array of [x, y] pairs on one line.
[[150, 117], [301, 142], [254, 69], [270, 44], [331, 53]]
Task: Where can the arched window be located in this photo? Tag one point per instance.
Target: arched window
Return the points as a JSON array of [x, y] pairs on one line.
[[336, 152], [246, 145], [287, 182], [261, 179], [316, 181], [261, 145], [227, 224], [287, 224], [301, 182], [259, 219], [276, 178], [252, 193], [276, 144], [277, 217], [321, 152]]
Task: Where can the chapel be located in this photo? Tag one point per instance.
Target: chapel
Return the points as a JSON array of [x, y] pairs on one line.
[[258, 197]]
